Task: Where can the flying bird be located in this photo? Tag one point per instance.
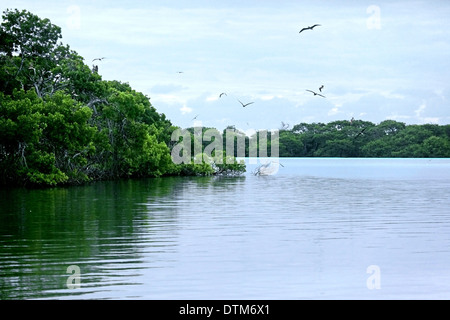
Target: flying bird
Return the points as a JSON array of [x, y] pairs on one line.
[[180, 72], [316, 94], [360, 133], [321, 87], [223, 93], [244, 105], [194, 118], [284, 126], [99, 59], [309, 28]]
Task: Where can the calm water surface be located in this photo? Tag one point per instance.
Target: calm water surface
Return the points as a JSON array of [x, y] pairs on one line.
[[317, 229]]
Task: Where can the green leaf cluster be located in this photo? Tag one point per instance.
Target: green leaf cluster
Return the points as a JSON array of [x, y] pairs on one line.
[[358, 138], [60, 123]]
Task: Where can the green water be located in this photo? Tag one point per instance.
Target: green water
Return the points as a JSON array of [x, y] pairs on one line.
[[42, 232], [312, 230]]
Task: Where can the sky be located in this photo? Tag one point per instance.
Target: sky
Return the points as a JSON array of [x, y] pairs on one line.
[[377, 59]]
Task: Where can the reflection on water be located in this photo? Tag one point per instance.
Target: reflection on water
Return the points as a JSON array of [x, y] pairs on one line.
[[310, 231]]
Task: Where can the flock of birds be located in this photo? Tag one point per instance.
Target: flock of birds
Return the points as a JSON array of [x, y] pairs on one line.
[[249, 103], [95, 68]]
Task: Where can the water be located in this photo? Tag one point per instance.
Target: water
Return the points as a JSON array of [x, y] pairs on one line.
[[317, 229]]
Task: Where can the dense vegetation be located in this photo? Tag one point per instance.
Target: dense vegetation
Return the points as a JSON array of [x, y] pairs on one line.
[[354, 138], [61, 123], [359, 138]]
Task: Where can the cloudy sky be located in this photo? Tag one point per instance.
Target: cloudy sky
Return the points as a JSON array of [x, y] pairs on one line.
[[376, 59]]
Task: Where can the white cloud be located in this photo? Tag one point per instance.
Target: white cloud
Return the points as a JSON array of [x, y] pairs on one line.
[[397, 117], [185, 110], [166, 88], [433, 120], [392, 95], [169, 99], [333, 111], [268, 97], [212, 98], [421, 118], [197, 123]]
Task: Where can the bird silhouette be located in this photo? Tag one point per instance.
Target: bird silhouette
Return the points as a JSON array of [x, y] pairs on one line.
[[360, 133], [316, 94], [246, 104], [309, 28], [223, 93], [194, 118], [320, 88], [99, 59]]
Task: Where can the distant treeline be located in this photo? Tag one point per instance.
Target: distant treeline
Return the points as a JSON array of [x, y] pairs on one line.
[[355, 138], [359, 138]]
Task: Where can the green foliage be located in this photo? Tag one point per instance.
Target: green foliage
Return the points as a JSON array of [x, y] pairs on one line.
[[213, 158], [359, 138], [204, 165], [44, 141], [228, 165], [436, 147], [61, 123], [356, 138]]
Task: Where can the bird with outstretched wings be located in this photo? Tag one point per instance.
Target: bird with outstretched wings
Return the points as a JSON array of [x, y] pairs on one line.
[[316, 94], [360, 133], [246, 104], [309, 28]]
